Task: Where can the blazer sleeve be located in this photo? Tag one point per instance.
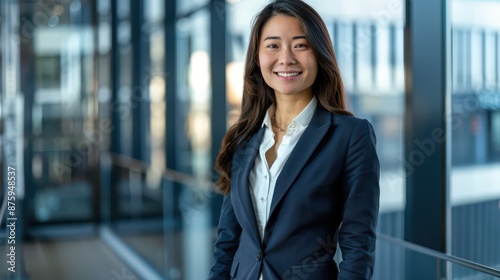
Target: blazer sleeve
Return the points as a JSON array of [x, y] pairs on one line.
[[227, 243], [360, 194]]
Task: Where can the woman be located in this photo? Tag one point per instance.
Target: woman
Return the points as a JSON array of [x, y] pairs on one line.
[[298, 171]]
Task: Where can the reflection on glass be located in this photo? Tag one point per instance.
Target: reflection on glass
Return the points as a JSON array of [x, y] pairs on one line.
[[58, 57], [154, 15], [234, 84], [475, 174], [137, 200]]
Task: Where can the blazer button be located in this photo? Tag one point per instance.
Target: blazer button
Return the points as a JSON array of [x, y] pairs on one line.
[[259, 256]]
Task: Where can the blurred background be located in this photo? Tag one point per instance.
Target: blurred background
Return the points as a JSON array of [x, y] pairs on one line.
[[112, 113]]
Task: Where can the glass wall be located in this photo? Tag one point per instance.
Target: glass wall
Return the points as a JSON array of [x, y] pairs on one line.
[[475, 173], [150, 199], [131, 90], [57, 81], [193, 87]]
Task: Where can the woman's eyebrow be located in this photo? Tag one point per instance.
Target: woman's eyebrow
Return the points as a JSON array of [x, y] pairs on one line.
[[279, 38]]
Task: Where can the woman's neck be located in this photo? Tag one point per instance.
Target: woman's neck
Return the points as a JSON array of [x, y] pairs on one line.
[[287, 108]]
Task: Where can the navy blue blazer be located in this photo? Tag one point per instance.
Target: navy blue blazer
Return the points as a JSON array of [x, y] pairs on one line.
[[328, 189]]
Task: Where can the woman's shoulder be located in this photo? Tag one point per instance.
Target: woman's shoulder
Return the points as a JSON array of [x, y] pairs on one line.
[[351, 123], [342, 120], [347, 119]]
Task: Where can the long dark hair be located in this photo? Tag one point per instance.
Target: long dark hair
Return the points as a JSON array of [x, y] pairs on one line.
[[258, 96]]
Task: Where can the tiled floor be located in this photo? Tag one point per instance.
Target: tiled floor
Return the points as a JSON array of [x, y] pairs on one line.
[[81, 259]]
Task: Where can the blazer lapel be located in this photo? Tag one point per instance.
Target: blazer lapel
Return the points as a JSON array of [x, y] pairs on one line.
[[306, 145], [248, 152]]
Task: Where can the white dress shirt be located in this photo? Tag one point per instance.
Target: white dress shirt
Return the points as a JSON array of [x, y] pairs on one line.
[[262, 178]]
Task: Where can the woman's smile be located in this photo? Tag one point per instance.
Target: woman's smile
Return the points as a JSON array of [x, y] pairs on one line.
[[287, 62], [288, 75]]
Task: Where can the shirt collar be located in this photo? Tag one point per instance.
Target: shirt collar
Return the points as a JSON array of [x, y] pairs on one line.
[[267, 119], [303, 119]]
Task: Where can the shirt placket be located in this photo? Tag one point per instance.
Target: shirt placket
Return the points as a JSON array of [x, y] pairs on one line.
[[264, 190], [264, 198]]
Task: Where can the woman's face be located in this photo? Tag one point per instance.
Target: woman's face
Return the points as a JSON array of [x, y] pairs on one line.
[[286, 59]]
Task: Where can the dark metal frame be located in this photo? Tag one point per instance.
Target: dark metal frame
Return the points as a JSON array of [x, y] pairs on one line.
[[140, 80], [427, 137], [115, 143], [171, 80], [95, 159], [218, 30]]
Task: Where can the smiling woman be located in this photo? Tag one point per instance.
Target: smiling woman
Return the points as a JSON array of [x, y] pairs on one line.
[[296, 165], [287, 62]]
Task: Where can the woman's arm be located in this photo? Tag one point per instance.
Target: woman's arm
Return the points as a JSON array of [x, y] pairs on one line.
[[228, 239], [360, 194]]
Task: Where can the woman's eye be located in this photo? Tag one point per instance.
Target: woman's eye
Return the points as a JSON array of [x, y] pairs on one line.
[[300, 46], [272, 46]]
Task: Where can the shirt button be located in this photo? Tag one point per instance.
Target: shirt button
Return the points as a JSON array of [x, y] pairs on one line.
[[259, 256], [265, 177], [262, 199]]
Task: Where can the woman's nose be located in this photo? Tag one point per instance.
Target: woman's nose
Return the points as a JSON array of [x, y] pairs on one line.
[[287, 58]]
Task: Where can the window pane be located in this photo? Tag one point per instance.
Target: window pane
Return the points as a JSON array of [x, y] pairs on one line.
[[60, 110], [475, 173]]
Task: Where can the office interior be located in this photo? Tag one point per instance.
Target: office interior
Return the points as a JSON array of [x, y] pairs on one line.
[[112, 113]]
